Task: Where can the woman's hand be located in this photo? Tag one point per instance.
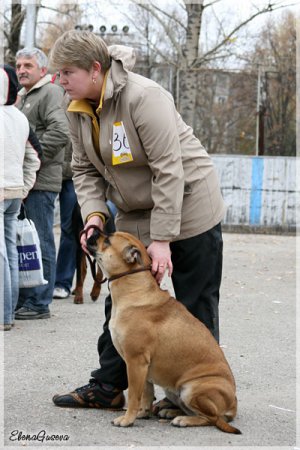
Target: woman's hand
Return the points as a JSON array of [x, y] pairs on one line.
[[160, 253], [94, 220]]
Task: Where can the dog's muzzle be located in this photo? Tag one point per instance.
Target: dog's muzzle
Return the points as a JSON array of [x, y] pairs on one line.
[[91, 242]]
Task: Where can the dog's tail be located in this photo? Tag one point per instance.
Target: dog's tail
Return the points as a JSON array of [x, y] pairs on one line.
[[224, 426]]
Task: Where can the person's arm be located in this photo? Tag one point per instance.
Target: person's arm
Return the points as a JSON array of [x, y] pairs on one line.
[[56, 135], [88, 182], [35, 143], [155, 119], [31, 165]]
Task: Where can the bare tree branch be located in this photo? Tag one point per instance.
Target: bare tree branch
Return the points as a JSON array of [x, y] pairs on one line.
[[171, 17], [162, 23], [201, 60], [67, 13], [50, 23], [211, 3]]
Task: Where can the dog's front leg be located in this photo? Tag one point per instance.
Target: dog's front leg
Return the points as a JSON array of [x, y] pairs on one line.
[[147, 400], [137, 370]]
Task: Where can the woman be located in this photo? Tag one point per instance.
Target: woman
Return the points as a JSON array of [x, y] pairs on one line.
[[132, 147], [21, 163]]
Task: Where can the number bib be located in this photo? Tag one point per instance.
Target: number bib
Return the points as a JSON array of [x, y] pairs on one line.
[[121, 152]]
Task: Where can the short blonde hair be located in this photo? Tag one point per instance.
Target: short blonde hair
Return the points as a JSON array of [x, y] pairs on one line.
[[80, 49]]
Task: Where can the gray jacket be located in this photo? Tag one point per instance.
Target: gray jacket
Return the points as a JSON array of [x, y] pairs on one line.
[[42, 106]]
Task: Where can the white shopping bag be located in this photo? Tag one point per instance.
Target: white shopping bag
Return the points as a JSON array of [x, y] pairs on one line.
[[30, 257]]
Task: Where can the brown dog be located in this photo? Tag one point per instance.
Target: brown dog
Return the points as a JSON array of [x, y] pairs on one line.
[[161, 342]]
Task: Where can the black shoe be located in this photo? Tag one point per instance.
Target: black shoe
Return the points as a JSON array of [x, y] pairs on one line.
[[92, 395], [28, 314]]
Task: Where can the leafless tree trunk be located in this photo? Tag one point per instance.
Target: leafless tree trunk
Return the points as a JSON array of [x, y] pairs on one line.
[[188, 77], [13, 33]]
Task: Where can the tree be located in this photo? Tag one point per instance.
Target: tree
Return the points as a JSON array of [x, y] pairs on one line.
[[188, 55], [226, 110], [13, 21], [275, 52], [172, 35], [65, 16], [14, 15]]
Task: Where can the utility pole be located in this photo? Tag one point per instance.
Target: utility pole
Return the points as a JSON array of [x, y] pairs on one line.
[[257, 110], [261, 109], [30, 25]]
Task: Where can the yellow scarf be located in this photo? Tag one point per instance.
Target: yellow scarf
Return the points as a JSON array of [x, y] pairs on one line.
[[83, 106]]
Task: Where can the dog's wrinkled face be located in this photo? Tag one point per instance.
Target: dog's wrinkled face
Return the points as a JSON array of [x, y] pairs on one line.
[[117, 252]]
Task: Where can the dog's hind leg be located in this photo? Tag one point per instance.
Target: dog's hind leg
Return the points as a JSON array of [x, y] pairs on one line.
[[207, 405], [80, 277], [169, 407], [95, 292]]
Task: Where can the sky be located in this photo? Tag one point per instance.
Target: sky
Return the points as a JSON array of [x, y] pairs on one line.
[[239, 8], [230, 11]]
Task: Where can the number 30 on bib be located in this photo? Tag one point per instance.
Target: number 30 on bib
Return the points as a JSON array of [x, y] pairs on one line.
[[121, 152]]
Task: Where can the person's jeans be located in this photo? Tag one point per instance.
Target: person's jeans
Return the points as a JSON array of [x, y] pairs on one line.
[[39, 208], [66, 258], [9, 211]]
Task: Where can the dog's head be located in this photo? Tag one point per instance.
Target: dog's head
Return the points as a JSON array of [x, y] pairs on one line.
[[117, 252]]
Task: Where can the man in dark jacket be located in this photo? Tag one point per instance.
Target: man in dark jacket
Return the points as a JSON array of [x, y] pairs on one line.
[[40, 101]]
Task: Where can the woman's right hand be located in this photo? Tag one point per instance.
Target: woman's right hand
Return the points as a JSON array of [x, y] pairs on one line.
[[94, 220]]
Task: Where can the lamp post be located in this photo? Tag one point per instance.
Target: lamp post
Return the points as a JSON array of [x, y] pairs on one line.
[[103, 30], [30, 24]]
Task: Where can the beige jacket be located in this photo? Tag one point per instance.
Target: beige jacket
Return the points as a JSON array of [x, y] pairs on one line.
[[168, 188]]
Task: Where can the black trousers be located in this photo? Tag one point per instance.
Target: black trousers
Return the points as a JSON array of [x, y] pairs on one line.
[[197, 273]]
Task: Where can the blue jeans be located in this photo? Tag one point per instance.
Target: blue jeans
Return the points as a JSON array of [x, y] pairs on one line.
[[39, 207], [9, 291], [66, 258]]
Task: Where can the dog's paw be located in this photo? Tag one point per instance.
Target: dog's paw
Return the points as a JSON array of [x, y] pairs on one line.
[[78, 300], [169, 413], [143, 414], [179, 421], [122, 422]]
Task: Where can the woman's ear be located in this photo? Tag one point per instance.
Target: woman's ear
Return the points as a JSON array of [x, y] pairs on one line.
[[96, 69]]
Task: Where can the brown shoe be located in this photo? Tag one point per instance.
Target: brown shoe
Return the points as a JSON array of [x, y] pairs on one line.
[[92, 395]]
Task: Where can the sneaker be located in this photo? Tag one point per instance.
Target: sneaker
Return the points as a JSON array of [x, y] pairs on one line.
[[5, 327], [28, 314], [92, 395], [60, 293]]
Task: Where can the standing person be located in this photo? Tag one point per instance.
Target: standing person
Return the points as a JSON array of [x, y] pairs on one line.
[[19, 161], [131, 146], [68, 244], [40, 101], [66, 257]]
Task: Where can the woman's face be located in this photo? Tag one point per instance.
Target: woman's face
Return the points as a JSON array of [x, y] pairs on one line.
[[78, 83]]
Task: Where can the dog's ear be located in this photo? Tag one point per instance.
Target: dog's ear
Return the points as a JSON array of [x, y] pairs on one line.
[[132, 254]]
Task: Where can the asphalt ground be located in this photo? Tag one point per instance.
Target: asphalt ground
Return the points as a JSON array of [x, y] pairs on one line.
[[258, 336]]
